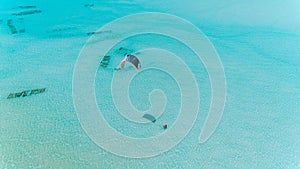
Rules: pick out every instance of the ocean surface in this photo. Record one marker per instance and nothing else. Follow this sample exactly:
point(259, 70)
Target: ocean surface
point(258, 46)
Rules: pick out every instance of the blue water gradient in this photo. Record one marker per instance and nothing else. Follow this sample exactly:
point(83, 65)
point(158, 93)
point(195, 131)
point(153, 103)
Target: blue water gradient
point(258, 44)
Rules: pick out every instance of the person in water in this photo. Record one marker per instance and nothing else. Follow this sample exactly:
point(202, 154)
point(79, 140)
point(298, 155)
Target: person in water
point(131, 59)
point(122, 64)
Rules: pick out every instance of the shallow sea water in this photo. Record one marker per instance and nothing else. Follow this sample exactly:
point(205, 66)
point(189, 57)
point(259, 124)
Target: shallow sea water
point(261, 58)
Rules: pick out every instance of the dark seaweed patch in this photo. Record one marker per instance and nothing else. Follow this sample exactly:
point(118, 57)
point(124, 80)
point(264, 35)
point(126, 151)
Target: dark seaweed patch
point(150, 118)
point(105, 61)
point(27, 7)
point(27, 12)
point(98, 32)
point(90, 33)
point(12, 28)
point(124, 51)
point(26, 93)
point(22, 31)
point(62, 29)
point(64, 32)
point(88, 5)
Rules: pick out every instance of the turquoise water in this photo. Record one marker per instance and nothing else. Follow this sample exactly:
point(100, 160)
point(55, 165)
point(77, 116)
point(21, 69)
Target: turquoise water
point(258, 44)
